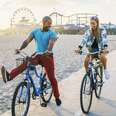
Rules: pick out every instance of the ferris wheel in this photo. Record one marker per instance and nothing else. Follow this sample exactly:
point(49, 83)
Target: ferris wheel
point(23, 16)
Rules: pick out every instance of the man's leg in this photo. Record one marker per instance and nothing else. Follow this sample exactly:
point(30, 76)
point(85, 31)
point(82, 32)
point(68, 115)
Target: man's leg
point(48, 63)
point(18, 70)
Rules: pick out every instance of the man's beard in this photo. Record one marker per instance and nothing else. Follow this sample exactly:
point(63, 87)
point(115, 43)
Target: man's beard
point(46, 29)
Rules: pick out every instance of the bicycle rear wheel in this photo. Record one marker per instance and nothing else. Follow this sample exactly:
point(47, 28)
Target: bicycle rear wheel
point(99, 81)
point(86, 94)
point(21, 100)
point(46, 89)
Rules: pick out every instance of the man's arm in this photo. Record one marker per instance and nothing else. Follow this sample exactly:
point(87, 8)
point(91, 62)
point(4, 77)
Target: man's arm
point(50, 47)
point(52, 39)
point(51, 44)
point(26, 42)
point(24, 45)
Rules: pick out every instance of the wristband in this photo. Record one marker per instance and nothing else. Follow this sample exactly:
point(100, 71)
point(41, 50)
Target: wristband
point(48, 51)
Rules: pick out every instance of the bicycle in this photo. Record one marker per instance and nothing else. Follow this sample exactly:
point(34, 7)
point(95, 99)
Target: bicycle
point(92, 80)
point(21, 97)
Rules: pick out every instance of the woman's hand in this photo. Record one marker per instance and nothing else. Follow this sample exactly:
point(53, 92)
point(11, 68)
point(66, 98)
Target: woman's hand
point(78, 51)
point(105, 51)
point(17, 51)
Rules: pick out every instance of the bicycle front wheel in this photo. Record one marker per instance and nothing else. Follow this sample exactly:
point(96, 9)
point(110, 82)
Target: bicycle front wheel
point(86, 94)
point(21, 100)
point(46, 89)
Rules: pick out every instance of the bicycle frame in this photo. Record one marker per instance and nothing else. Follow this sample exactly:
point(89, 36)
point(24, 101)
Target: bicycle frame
point(28, 78)
point(92, 70)
point(37, 82)
point(92, 73)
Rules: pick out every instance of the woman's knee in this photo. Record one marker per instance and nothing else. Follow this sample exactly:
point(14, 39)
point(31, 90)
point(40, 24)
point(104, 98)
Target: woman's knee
point(103, 57)
point(86, 62)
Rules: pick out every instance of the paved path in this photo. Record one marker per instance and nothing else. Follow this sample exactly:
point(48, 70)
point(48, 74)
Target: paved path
point(70, 93)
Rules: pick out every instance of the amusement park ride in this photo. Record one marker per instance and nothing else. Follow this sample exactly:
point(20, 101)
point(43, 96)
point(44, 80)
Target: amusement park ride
point(24, 17)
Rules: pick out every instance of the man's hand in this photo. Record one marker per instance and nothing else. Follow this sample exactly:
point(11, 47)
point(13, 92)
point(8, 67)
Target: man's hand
point(48, 53)
point(17, 51)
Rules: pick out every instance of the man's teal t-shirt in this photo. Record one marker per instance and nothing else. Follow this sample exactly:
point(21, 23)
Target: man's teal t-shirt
point(42, 39)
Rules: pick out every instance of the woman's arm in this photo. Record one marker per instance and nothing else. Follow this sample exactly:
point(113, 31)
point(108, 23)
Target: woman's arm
point(84, 39)
point(104, 38)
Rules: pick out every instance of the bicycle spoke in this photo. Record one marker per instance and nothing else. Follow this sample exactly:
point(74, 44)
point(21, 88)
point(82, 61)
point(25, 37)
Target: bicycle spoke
point(21, 100)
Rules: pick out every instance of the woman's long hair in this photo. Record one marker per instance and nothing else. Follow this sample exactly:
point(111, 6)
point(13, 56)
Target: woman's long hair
point(96, 33)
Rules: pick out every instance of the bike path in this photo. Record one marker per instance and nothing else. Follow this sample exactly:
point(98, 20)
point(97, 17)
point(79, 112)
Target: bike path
point(70, 95)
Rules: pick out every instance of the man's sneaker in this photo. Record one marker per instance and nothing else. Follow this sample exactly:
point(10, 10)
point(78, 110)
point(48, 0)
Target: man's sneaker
point(106, 73)
point(43, 104)
point(58, 102)
point(5, 74)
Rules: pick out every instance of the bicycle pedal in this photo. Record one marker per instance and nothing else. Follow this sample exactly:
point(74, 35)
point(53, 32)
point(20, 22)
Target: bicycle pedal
point(101, 84)
point(33, 96)
point(43, 104)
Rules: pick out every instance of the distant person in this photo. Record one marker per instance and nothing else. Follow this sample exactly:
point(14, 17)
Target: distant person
point(45, 39)
point(95, 39)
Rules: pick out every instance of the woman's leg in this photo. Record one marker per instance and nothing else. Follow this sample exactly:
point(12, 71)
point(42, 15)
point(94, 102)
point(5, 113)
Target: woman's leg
point(86, 62)
point(103, 59)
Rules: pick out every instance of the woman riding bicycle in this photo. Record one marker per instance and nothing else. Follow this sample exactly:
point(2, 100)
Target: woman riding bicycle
point(95, 39)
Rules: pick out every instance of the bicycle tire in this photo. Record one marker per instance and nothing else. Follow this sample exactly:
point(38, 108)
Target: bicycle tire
point(83, 85)
point(99, 83)
point(44, 89)
point(22, 84)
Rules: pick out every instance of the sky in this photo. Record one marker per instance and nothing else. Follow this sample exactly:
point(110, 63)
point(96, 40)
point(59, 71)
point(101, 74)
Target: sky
point(104, 8)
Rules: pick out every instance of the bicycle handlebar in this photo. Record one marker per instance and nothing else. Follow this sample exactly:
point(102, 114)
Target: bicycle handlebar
point(24, 56)
point(90, 53)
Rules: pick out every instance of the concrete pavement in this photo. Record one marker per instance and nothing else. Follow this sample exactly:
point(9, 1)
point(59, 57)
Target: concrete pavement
point(70, 95)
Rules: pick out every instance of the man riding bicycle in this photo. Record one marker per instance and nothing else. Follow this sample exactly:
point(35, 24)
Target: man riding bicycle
point(44, 39)
point(95, 40)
